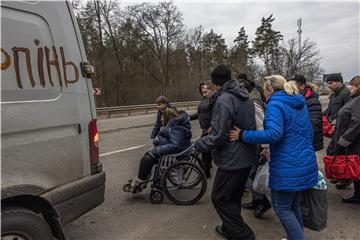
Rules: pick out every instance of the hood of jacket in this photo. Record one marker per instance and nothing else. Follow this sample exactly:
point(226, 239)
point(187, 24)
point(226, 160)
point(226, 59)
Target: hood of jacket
point(181, 122)
point(233, 87)
point(310, 93)
point(296, 102)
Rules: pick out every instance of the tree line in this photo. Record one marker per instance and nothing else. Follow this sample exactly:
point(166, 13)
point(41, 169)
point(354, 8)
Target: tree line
point(144, 50)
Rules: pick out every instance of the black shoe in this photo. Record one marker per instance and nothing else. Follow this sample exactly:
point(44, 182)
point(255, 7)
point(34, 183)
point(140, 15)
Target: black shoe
point(353, 199)
point(208, 174)
point(219, 231)
point(343, 184)
point(262, 207)
point(334, 181)
point(250, 205)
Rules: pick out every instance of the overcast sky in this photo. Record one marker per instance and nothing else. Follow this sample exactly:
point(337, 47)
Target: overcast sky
point(334, 26)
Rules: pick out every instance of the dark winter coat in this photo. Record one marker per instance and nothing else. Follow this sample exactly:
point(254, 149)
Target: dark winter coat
point(158, 123)
point(233, 107)
point(173, 138)
point(288, 130)
point(315, 113)
point(347, 129)
point(336, 100)
point(204, 112)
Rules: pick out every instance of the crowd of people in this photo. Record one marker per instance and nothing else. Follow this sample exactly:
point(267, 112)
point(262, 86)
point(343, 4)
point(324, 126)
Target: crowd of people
point(245, 126)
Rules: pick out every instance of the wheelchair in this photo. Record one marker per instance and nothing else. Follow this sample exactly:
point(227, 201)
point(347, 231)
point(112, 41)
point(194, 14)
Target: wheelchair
point(182, 181)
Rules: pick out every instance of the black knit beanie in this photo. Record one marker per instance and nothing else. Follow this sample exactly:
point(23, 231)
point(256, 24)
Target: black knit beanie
point(248, 84)
point(299, 79)
point(335, 77)
point(242, 76)
point(220, 75)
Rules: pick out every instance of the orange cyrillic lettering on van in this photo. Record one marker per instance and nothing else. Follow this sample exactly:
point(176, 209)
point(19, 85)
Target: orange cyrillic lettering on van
point(16, 51)
point(40, 59)
point(54, 62)
point(76, 71)
point(7, 62)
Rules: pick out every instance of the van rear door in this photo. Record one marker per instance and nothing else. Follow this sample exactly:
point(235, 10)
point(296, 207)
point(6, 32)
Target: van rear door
point(46, 103)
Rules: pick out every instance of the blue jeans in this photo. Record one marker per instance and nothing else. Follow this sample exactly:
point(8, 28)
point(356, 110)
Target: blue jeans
point(287, 207)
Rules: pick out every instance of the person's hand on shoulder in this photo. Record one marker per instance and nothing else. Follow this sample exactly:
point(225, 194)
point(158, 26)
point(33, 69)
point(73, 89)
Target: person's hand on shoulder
point(234, 135)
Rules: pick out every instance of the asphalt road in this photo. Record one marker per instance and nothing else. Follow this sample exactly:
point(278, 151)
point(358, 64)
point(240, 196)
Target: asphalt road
point(126, 216)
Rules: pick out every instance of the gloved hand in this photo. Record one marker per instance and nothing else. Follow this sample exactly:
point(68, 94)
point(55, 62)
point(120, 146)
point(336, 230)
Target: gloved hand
point(156, 141)
point(344, 143)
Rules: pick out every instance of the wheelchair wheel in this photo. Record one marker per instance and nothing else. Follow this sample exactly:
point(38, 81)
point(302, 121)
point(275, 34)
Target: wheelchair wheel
point(184, 183)
point(156, 196)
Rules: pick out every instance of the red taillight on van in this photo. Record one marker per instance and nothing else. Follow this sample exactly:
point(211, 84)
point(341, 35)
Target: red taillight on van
point(94, 147)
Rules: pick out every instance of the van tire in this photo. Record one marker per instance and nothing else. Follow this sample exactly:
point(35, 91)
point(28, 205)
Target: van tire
point(23, 224)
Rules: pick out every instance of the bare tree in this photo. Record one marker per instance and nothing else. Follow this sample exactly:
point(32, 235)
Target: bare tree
point(160, 27)
point(194, 50)
point(305, 61)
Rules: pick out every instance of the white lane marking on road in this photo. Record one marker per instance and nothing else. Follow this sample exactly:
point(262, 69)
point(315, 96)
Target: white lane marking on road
point(122, 150)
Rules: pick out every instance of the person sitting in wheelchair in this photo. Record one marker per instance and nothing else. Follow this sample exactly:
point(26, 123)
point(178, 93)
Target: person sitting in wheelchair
point(174, 137)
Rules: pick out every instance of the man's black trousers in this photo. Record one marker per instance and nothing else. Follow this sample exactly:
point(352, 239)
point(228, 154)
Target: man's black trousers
point(226, 196)
point(145, 167)
point(207, 161)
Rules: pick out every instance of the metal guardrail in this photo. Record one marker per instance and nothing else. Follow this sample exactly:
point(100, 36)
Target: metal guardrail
point(149, 107)
point(143, 107)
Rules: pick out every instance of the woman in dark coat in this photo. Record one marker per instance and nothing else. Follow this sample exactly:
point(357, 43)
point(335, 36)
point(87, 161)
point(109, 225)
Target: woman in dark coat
point(347, 132)
point(173, 138)
point(162, 103)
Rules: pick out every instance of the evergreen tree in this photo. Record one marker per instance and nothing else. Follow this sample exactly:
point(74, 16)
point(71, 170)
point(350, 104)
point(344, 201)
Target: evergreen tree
point(240, 53)
point(266, 45)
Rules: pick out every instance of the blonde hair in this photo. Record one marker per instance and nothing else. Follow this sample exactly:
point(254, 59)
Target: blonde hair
point(277, 82)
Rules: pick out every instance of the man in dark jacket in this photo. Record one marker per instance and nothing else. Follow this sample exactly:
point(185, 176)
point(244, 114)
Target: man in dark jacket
point(340, 96)
point(314, 108)
point(162, 103)
point(204, 113)
point(234, 160)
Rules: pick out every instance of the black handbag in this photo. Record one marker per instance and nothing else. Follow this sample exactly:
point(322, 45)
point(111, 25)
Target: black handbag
point(314, 208)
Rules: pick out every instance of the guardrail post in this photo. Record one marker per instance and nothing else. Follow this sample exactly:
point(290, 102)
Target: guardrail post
point(129, 111)
point(147, 110)
point(109, 112)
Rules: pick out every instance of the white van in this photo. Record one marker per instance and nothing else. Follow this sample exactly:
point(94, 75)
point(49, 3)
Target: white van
point(50, 169)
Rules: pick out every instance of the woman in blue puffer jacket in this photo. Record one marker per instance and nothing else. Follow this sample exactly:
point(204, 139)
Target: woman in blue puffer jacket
point(293, 166)
point(174, 137)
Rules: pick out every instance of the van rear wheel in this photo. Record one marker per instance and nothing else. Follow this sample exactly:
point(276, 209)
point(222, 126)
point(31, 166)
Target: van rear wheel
point(23, 224)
